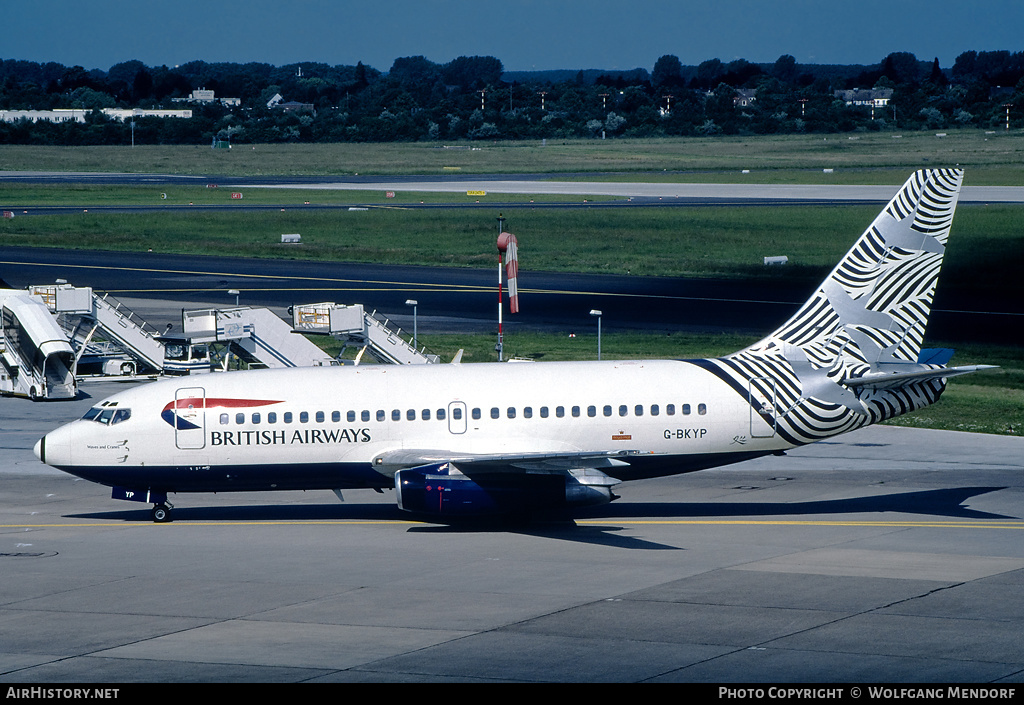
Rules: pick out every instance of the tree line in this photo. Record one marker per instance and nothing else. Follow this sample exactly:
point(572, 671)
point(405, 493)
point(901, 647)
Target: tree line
point(474, 98)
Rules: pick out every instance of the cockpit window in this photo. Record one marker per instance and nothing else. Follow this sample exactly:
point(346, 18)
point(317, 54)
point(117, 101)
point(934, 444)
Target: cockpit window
point(107, 416)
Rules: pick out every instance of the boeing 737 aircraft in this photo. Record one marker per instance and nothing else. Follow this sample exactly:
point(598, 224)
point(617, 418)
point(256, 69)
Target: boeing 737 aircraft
point(478, 439)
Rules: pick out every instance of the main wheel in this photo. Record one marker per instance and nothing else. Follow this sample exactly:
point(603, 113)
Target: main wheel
point(161, 513)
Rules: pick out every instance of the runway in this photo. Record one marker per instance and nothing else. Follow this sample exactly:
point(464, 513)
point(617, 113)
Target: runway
point(455, 299)
point(685, 192)
point(886, 556)
point(577, 184)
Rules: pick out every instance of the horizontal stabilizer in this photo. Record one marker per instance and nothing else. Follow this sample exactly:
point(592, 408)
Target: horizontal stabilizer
point(883, 380)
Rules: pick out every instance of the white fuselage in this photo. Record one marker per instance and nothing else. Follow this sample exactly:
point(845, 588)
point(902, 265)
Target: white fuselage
point(322, 427)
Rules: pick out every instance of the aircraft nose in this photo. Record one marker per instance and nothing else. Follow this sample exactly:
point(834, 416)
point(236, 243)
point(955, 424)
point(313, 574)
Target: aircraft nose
point(54, 448)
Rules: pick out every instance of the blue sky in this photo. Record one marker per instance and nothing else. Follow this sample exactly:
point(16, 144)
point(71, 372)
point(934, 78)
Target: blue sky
point(524, 34)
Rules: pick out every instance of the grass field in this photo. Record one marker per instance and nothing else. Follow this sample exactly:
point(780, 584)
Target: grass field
point(984, 259)
point(695, 242)
point(991, 157)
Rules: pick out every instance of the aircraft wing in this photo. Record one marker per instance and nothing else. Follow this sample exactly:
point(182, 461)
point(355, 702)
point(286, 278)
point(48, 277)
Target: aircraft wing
point(560, 462)
point(884, 380)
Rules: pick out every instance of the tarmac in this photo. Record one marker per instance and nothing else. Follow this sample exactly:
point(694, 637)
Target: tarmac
point(889, 555)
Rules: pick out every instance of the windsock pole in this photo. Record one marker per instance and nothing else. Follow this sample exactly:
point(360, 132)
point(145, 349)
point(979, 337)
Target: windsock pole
point(507, 244)
point(499, 346)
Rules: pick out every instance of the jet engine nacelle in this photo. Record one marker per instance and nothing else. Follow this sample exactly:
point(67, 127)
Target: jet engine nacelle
point(441, 490)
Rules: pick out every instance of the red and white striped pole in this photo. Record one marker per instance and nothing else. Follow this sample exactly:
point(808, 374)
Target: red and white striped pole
point(507, 244)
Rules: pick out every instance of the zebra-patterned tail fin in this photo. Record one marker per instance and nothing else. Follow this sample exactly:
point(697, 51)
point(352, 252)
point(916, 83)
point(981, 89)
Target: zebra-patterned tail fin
point(874, 306)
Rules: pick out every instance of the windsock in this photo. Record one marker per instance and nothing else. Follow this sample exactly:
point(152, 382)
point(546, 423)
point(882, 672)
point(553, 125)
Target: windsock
point(507, 244)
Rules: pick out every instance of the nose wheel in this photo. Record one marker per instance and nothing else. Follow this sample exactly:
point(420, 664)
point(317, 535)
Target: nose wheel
point(162, 512)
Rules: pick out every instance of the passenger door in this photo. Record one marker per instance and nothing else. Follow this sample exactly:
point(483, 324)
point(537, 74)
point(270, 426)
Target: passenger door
point(190, 418)
point(762, 407)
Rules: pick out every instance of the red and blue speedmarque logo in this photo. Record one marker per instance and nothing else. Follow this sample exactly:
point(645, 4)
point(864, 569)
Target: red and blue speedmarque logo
point(180, 412)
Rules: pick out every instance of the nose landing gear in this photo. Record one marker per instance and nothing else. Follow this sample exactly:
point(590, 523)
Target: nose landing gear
point(162, 512)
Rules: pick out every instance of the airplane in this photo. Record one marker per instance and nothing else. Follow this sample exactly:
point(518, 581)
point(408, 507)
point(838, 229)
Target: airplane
point(456, 440)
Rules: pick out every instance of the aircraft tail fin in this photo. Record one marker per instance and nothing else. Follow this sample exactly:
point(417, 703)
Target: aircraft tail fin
point(876, 302)
point(851, 355)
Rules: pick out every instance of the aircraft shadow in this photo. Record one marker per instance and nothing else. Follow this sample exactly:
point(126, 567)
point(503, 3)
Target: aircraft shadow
point(945, 503)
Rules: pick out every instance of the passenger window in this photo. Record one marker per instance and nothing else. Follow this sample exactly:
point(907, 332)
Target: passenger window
point(494, 412)
point(559, 411)
point(476, 413)
point(528, 412)
point(381, 415)
point(303, 417)
point(335, 416)
point(543, 412)
point(410, 414)
point(224, 418)
point(607, 409)
point(255, 418)
point(686, 409)
point(591, 411)
point(576, 412)
point(365, 415)
point(287, 417)
point(396, 415)
point(425, 414)
point(702, 409)
point(654, 410)
point(271, 417)
point(670, 409)
point(457, 413)
point(623, 410)
point(239, 419)
point(440, 415)
point(351, 416)
point(511, 413)
point(319, 417)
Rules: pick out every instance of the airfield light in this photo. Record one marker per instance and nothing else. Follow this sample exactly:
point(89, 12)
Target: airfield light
point(415, 337)
point(598, 314)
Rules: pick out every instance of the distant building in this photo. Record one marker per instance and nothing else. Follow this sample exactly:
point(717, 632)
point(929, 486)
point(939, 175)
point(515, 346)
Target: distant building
point(744, 97)
point(79, 114)
point(123, 114)
point(58, 115)
point(278, 103)
point(869, 97)
point(204, 96)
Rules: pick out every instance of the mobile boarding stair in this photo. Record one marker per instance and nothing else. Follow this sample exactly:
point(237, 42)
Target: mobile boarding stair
point(365, 330)
point(259, 334)
point(87, 314)
point(36, 358)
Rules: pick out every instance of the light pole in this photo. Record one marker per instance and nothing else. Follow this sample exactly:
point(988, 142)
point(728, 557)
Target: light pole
point(595, 312)
point(415, 337)
point(234, 292)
